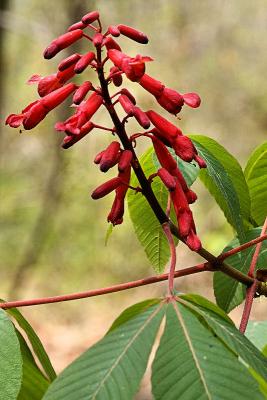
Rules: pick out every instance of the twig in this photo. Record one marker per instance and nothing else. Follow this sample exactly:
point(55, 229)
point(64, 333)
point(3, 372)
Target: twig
point(244, 246)
point(111, 289)
point(257, 252)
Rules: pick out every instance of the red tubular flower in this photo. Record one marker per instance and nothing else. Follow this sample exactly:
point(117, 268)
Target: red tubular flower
point(134, 68)
point(171, 100)
point(84, 61)
point(114, 30)
point(125, 160)
point(90, 17)
point(184, 148)
point(106, 188)
point(72, 139)
point(81, 92)
point(110, 157)
point(169, 130)
point(168, 180)
point(192, 99)
point(77, 25)
point(83, 113)
point(115, 76)
point(201, 163)
point(52, 100)
point(161, 137)
point(164, 156)
point(110, 43)
point(182, 211)
point(133, 34)
point(141, 117)
point(67, 62)
point(152, 85)
point(126, 104)
point(116, 57)
point(62, 42)
point(29, 117)
point(191, 196)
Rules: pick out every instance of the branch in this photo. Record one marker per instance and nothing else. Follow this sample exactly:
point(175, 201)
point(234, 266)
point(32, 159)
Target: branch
point(111, 289)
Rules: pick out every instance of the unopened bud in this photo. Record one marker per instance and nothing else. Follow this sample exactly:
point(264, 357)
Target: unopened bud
point(98, 157)
point(67, 62)
point(126, 104)
point(110, 156)
point(125, 160)
point(201, 163)
point(129, 95)
point(81, 92)
point(193, 241)
point(151, 85)
point(141, 117)
point(167, 128)
point(98, 39)
point(133, 34)
point(77, 25)
point(62, 42)
point(106, 188)
point(84, 61)
point(184, 148)
point(164, 156)
point(90, 17)
point(114, 30)
point(110, 43)
point(168, 180)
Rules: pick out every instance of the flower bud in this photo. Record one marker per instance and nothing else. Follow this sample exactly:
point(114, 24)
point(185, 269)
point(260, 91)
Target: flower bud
point(67, 62)
point(81, 92)
point(151, 85)
point(133, 34)
point(164, 156)
point(169, 130)
point(168, 180)
point(126, 104)
point(184, 148)
point(106, 188)
point(116, 214)
point(98, 39)
point(115, 76)
point(72, 139)
point(141, 117)
point(90, 17)
point(98, 157)
point(129, 95)
point(192, 99)
point(84, 61)
point(191, 196)
point(77, 25)
point(125, 160)
point(110, 43)
point(201, 163)
point(62, 42)
point(110, 156)
point(92, 104)
point(193, 241)
point(114, 30)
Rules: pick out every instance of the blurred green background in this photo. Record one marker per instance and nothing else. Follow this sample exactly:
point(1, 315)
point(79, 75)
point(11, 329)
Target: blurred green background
point(52, 234)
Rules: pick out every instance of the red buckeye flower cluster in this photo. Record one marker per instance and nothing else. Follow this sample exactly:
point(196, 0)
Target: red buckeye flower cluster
point(87, 99)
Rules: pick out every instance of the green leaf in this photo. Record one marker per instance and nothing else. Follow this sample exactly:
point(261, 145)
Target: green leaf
point(225, 180)
point(37, 346)
point(34, 384)
point(146, 225)
point(225, 329)
point(192, 363)
point(256, 176)
point(230, 293)
point(10, 360)
point(256, 332)
point(112, 368)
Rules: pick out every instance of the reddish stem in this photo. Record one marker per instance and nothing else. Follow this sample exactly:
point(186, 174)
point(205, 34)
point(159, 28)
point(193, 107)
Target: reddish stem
point(257, 251)
point(248, 305)
point(167, 231)
point(244, 246)
point(111, 289)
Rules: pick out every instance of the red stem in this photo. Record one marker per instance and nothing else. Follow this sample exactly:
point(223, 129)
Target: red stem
point(244, 246)
point(167, 231)
point(111, 289)
point(248, 305)
point(257, 252)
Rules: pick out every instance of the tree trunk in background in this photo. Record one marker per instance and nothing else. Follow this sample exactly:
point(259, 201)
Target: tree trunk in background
point(51, 200)
point(4, 4)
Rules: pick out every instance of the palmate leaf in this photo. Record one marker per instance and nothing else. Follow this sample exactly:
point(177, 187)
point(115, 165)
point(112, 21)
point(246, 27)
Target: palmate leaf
point(35, 342)
point(193, 363)
point(225, 329)
point(113, 368)
point(230, 293)
point(225, 180)
point(10, 360)
point(34, 384)
point(146, 225)
point(256, 177)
